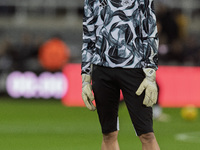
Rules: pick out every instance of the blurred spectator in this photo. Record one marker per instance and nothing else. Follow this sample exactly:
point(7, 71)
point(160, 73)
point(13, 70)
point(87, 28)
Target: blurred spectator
point(22, 52)
point(168, 25)
point(182, 22)
point(191, 48)
point(170, 46)
point(176, 45)
point(5, 59)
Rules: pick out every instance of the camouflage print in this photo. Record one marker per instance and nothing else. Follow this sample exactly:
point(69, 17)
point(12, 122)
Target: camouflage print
point(119, 33)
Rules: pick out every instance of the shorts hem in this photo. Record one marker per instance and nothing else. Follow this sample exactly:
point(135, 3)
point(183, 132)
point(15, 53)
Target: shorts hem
point(106, 132)
point(139, 134)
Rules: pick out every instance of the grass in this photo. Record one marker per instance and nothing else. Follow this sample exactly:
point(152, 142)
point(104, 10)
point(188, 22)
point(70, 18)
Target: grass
point(48, 125)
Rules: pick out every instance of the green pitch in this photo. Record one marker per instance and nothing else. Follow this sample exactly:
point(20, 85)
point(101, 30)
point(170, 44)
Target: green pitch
point(48, 125)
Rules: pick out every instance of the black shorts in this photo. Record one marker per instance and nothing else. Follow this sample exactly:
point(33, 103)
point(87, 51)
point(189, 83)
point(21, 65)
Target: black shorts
point(106, 84)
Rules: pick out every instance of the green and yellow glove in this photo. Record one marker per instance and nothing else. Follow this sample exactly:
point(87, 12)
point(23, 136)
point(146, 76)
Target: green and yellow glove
point(87, 94)
point(150, 87)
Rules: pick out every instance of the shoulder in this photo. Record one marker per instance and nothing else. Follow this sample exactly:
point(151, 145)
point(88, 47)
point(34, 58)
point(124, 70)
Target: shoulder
point(90, 3)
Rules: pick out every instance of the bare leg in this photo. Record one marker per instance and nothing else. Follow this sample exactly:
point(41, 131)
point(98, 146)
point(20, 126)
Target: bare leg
point(149, 141)
point(110, 141)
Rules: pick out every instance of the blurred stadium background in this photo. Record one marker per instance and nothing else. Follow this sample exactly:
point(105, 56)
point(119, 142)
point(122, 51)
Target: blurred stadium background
point(40, 82)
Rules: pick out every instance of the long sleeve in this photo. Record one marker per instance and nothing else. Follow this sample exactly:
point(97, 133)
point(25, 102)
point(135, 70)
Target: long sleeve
point(149, 33)
point(120, 33)
point(89, 38)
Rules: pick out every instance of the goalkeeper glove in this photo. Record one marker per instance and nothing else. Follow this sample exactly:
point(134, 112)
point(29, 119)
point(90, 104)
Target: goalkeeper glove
point(87, 95)
point(150, 87)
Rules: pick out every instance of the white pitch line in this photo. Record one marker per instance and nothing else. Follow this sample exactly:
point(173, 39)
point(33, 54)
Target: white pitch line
point(192, 137)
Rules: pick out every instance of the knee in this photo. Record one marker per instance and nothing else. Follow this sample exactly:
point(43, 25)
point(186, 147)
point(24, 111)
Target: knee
point(147, 138)
point(110, 137)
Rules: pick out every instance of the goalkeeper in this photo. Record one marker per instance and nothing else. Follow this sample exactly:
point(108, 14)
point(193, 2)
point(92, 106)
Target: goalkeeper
point(119, 52)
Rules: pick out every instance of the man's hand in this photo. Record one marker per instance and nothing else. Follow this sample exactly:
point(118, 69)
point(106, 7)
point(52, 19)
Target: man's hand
point(150, 87)
point(87, 95)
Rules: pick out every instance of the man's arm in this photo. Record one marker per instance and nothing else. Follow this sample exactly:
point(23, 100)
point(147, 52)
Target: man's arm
point(150, 45)
point(87, 54)
point(88, 38)
point(149, 33)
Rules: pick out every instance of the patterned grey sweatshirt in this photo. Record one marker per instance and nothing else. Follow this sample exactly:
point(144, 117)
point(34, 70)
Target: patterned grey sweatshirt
point(119, 33)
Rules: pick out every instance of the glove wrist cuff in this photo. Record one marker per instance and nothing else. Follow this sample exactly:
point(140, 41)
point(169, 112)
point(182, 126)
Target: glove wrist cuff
point(86, 78)
point(150, 73)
